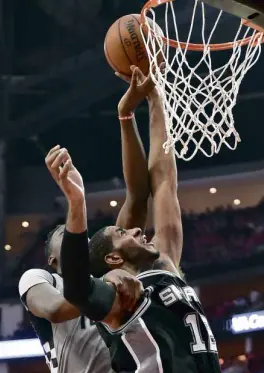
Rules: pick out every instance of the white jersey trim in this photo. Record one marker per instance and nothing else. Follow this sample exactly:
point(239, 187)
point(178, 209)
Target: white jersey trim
point(154, 272)
point(143, 366)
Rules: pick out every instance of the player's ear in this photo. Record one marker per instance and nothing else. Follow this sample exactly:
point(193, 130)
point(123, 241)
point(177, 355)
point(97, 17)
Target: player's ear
point(114, 259)
point(52, 262)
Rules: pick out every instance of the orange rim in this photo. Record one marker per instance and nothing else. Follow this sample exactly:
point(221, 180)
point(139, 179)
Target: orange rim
point(200, 47)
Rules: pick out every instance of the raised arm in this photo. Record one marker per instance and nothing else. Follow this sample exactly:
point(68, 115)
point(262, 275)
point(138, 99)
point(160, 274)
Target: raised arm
point(93, 297)
point(164, 182)
point(135, 166)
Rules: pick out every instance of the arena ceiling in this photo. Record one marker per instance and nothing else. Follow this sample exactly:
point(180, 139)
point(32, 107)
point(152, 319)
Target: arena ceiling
point(56, 86)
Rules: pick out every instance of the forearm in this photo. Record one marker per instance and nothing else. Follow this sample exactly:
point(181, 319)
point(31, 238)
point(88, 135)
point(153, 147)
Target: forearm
point(75, 265)
point(91, 296)
point(63, 312)
point(135, 169)
point(75, 261)
point(163, 181)
point(135, 166)
point(162, 167)
point(77, 217)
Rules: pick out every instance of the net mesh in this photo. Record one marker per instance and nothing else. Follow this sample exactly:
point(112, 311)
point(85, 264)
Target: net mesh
point(198, 106)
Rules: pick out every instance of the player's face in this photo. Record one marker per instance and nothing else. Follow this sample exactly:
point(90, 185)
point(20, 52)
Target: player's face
point(54, 259)
point(56, 241)
point(132, 246)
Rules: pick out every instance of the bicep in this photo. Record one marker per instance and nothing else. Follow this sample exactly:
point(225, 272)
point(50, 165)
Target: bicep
point(165, 263)
point(45, 301)
point(168, 224)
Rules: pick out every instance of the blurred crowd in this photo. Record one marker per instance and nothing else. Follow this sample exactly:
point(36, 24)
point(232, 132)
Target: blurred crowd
point(217, 236)
point(220, 235)
point(223, 234)
point(253, 302)
point(243, 364)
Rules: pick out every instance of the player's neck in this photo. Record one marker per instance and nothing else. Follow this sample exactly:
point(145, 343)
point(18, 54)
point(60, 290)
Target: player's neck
point(138, 269)
point(130, 269)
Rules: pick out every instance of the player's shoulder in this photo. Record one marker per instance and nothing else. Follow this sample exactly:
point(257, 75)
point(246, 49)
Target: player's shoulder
point(33, 277)
point(158, 273)
point(157, 277)
point(36, 273)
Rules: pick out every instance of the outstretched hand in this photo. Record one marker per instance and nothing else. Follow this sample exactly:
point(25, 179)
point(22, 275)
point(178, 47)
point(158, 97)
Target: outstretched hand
point(140, 87)
point(68, 178)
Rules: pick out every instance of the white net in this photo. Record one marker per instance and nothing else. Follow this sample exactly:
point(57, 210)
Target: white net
point(198, 106)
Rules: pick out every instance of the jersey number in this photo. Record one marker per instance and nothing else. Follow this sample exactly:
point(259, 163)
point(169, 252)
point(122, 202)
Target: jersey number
point(198, 345)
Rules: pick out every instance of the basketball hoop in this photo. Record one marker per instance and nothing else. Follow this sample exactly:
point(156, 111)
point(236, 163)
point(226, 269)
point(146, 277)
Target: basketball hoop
point(198, 100)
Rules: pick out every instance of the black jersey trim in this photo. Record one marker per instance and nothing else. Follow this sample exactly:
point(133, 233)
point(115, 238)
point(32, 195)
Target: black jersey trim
point(141, 309)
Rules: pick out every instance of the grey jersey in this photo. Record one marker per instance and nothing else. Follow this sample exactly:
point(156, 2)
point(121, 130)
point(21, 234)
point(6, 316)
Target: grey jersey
point(73, 346)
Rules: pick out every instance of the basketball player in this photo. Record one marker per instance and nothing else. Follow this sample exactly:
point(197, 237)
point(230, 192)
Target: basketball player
point(167, 331)
point(71, 342)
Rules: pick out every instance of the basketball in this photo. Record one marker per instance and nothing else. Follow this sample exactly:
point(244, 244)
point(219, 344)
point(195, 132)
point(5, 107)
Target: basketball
point(124, 45)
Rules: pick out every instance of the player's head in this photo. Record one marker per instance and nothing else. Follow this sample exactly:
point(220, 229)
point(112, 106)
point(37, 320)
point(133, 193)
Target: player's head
point(113, 247)
point(53, 247)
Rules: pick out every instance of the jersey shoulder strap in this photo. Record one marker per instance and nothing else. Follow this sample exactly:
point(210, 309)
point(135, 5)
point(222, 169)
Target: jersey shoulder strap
point(54, 281)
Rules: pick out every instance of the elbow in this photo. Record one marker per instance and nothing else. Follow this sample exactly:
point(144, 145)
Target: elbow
point(54, 313)
point(58, 316)
point(70, 296)
point(55, 317)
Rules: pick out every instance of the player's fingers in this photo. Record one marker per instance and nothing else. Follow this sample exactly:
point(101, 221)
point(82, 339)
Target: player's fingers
point(133, 289)
point(124, 291)
point(52, 150)
point(51, 157)
point(127, 293)
point(63, 173)
point(137, 291)
point(126, 78)
point(148, 85)
point(119, 286)
point(134, 78)
point(61, 158)
point(133, 67)
point(162, 67)
point(141, 76)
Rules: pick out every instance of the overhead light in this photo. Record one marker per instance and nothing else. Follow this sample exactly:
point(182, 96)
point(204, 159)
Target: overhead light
point(25, 224)
point(8, 247)
point(236, 202)
point(212, 190)
point(242, 358)
point(113, 203)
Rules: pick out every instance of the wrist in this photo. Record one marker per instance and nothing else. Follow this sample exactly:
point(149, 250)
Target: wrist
point(124, 112)
point(126, 117)
point(154, 95)
point(76, 202)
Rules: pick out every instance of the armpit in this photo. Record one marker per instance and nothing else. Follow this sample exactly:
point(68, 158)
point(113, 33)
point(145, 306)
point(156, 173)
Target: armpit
point(166, 264)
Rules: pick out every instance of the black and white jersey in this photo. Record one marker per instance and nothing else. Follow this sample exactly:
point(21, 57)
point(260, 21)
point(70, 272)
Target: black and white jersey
point(74, 346)
point(168, 333)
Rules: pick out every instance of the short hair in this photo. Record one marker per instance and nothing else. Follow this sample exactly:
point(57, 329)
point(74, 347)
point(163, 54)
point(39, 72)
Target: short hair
point(47, 244)
point(99, 246)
